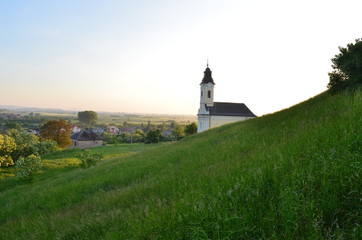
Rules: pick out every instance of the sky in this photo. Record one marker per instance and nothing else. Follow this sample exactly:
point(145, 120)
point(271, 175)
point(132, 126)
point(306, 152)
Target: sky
point(148, 56)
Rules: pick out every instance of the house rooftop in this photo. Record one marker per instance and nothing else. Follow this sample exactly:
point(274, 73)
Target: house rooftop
point(86, 135)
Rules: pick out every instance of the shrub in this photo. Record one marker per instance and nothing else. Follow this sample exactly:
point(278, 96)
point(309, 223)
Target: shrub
point(7, 146)
point(88, 158)
point(25, 144)
point(27, 166)
point(46, 147)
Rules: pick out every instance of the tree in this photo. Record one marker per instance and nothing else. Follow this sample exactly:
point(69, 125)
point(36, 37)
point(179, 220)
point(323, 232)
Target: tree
point(88, 117)
point(26, 144)
point(191, 129)
point(347, 68)
point(178, 132)
point(138, 136)
point(109, 137)
point(13, 125)
point(153, 136)
point(7, 146)
point(59, 131)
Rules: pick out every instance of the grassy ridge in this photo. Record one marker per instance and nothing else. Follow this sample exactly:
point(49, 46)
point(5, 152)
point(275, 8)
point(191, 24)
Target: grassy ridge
point(290, 175)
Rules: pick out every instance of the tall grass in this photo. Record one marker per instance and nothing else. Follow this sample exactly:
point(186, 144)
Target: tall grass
point(294, 174)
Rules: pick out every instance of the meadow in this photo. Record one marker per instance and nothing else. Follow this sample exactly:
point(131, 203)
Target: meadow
point(294, 174)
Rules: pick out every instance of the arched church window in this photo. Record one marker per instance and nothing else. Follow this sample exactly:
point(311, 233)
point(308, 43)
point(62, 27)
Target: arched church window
point(209, 94)
point(202, 93)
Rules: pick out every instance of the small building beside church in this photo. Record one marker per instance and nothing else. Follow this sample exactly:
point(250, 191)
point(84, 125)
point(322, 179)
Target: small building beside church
point(213, 114)
point(86, 139)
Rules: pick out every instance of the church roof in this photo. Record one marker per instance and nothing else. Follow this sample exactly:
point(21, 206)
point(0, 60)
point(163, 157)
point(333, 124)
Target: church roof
point(86, 135)
point(207, 76)
point(230, 109)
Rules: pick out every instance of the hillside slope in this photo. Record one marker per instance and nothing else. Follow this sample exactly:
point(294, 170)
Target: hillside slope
point(294, 174)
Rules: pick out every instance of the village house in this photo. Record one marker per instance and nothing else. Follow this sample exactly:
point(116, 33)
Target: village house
point(213, 114)
point(113, 129)
point(74, 128)
point(86, 139)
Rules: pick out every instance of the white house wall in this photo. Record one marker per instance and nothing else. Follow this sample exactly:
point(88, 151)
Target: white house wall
point(203, 123)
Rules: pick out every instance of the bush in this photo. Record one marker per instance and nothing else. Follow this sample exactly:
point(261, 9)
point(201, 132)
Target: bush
point(27, 166)
point(25, 144)
point(88, 158)
point(46, 147)
point(7, 146)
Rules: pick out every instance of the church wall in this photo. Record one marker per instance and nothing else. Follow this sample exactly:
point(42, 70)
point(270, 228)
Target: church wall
point(217, 121)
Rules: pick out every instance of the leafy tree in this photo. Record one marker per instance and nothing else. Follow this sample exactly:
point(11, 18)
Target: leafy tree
point(25, 144)
point(347, 68)
point(178, 132)
point(153, 136)
point(191, 129)
point(124, 137)
point(59, 131)
point(88, 117)
point(27, 166)
point(108, 137)
point(7, 146)
point(47, 146)
point(13, 125)
point(138, 136)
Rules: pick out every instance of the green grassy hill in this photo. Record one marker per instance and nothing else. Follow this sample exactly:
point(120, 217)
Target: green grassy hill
point(295, 174)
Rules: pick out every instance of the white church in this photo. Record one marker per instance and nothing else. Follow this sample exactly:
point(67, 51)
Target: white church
point(213, 114)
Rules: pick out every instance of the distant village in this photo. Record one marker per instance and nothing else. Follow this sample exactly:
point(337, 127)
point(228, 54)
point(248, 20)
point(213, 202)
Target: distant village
point(129, 129)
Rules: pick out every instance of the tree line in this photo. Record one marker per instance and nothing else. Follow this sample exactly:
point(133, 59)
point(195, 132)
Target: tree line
point(347, 68)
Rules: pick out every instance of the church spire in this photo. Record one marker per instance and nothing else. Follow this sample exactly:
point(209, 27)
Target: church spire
point(207, 75)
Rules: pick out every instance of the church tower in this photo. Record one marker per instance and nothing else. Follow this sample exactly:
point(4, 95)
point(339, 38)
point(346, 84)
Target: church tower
point(207, 88)
point(206, 100)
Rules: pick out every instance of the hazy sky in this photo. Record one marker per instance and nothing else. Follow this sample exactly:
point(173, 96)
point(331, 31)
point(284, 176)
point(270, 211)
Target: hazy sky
point(148, 56)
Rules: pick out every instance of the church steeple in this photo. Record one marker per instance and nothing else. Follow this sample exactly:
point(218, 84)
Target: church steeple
point(207, 75)
point(207, 90)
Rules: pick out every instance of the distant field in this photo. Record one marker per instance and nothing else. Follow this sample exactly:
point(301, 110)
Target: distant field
point(116, 118)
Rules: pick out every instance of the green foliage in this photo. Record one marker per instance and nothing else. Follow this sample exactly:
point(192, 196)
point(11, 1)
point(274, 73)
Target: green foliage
point(109, 138)
point(88, 158)
point(138, 136)
point(27, 166)
point(46, 147)
point(25, 144)
point(88, 117)
point(16, 145)
point(123, 137)
point(7, 146)
point(58, 131)
point(347, 68)
point(178, 132)
point(191, 129)
point(13, 125)
point(153, 136)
